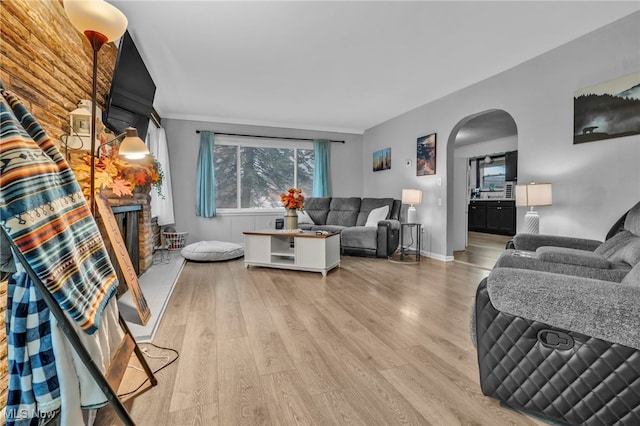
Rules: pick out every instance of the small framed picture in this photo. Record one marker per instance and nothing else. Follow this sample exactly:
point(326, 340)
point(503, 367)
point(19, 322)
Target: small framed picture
point(426, 155)
point(382, 159)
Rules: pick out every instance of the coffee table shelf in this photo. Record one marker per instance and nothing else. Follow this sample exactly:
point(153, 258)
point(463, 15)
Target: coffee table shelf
point(303, 251)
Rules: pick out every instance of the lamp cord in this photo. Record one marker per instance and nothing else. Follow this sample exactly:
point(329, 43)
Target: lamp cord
point(177, 355)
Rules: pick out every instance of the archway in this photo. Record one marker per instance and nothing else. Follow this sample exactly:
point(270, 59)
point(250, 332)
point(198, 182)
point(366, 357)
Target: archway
point(493, 131)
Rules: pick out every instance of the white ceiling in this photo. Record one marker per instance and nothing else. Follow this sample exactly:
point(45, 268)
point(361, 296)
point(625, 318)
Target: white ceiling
point(340, 65)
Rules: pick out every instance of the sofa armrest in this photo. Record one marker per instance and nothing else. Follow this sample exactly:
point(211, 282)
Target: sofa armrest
point(388, 237)
point(572, 256)
point(531, 242)
point(601, 309)
point(529, 260)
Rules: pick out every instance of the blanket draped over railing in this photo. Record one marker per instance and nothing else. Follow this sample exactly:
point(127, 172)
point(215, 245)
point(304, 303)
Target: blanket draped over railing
point(43, 212)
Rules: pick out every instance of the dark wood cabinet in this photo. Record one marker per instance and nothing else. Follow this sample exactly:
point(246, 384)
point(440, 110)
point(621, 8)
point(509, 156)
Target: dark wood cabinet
point(477, 216)
point(511, 166)
point(493, 217)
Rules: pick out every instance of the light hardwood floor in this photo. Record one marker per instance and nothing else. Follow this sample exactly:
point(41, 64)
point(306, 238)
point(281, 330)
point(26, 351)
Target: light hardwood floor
point(373, 343)
point(482, 249)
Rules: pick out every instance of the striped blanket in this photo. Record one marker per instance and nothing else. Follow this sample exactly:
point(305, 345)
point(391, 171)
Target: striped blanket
point(43, 211)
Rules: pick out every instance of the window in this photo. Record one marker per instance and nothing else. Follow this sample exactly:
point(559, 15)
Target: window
point(492, 174)
point(253, 173)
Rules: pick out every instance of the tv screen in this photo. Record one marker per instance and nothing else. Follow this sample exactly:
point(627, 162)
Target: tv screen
point(132, 91)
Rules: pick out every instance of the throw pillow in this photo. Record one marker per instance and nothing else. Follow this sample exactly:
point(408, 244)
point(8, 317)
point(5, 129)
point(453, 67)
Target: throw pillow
point(376, 215)
point(304, 218)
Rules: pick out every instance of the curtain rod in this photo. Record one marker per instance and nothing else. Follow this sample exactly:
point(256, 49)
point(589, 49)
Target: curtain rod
point(264, 137)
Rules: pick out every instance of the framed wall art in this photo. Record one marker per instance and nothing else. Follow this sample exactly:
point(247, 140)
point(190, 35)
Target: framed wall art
point(382, 159)
point(426, 155)
point(607, 110)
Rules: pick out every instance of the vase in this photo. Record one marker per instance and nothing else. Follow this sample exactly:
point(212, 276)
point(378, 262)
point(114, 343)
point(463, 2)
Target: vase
point(291, 219)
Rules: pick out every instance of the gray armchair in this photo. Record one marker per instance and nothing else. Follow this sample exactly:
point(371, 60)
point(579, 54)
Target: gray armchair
point(559, 346)
point(610, 260)
point(557, 327)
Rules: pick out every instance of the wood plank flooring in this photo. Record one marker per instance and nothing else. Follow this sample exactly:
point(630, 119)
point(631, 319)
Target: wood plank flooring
point(373, 343)
point(482, 249)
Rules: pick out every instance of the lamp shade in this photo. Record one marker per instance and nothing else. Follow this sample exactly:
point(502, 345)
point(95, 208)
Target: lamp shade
point(96, 16)
point(132, 146)
point(412, 196)
point(533, 194)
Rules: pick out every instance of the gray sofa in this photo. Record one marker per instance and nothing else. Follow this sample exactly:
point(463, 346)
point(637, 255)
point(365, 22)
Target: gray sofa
point(558, 327)
point(348, 216)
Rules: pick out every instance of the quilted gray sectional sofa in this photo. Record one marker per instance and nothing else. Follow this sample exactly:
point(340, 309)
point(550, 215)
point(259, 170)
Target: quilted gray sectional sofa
point(348, 216)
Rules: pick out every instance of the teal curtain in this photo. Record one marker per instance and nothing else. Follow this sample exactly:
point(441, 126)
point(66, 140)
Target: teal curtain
point(321, 171)
point(205, 177)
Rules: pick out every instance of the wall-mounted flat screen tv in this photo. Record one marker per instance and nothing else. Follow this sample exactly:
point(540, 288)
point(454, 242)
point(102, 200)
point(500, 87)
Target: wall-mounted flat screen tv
point(132, 91)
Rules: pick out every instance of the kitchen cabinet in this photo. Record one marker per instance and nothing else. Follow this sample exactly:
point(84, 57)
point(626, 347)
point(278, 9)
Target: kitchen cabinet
point(477, 216)
point(493, 216)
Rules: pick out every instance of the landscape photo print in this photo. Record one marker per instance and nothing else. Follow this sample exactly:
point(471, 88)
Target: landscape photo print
point(607, 110)
point(382, 159)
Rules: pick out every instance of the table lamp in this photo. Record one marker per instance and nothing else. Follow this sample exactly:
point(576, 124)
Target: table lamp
point(413, 197)
point(531, 195)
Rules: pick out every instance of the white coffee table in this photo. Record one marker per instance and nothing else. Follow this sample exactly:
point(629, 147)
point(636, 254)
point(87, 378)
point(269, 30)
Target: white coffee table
point(302, 251)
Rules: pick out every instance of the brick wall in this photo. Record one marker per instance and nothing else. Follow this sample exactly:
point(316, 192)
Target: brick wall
point(48, 63)
point(45, 61)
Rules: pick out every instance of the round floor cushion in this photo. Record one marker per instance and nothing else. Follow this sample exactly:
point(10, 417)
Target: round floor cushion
point(212, 251)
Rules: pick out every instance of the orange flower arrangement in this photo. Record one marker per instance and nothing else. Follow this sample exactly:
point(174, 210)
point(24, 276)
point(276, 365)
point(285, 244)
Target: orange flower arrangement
point(120, 175)
point(293, 199)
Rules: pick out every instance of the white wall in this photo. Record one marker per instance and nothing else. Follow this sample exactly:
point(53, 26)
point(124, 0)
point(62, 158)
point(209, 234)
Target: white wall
point(593, 183)
point(184, 143)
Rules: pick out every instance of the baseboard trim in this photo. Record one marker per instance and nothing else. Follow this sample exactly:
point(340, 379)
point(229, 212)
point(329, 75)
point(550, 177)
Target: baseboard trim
point(437, 256)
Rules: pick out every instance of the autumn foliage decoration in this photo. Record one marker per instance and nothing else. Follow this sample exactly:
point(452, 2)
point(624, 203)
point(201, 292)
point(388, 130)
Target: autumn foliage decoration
point(120, 175)
point(293, 199)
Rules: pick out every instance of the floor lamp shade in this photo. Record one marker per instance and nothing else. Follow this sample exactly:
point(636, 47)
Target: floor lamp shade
point(412, 197)
point(531, 195)
point(96, 16)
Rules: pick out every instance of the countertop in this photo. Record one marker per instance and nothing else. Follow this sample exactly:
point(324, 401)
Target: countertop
point(491, 199)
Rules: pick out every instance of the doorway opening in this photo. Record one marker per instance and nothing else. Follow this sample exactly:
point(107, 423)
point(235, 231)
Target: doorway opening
point(482, 172)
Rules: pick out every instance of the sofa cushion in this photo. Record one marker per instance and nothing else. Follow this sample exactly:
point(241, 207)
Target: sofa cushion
point(360, 236)
point(572, 257)
point(632, 221)
point(318, 208)
point(369, 204)
point(329, 228)
point(343, 211)
point(628, 253)
point(633, 277)
point(304, 218)
point(376, 215)
point(614, 244)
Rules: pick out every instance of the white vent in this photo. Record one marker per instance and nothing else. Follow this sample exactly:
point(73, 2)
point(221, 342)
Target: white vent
point(508, 190)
